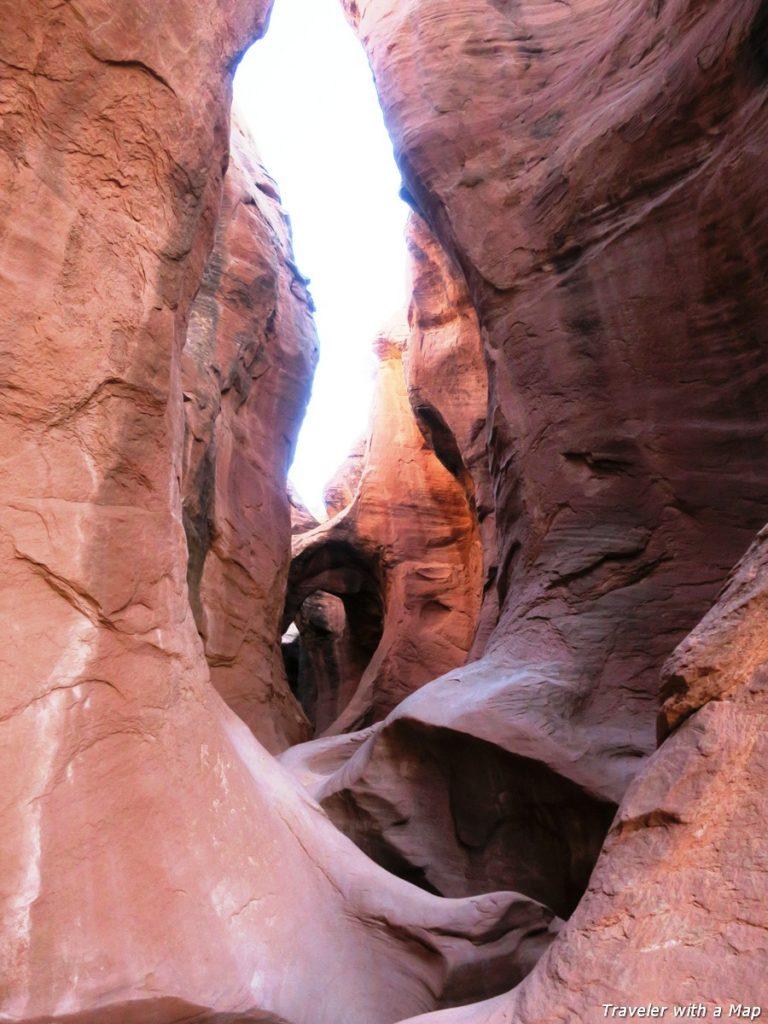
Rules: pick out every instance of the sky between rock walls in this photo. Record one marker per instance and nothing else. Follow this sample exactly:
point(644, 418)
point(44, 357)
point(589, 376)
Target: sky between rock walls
point(307, 94)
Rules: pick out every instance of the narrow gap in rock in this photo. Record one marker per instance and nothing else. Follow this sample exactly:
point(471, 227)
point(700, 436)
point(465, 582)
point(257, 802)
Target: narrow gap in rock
point(337, 177)
point(338, 180)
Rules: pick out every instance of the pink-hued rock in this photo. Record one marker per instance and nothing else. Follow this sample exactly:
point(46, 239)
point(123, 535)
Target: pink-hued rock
point(596, 169)
point(722, 658)
point(156, 864)
point(405, 556)
point(331, 659)
point(462, 791)
point(247, 367)
point(222, 901)
point(675, 913)
point(301, 518)
point(448, 390)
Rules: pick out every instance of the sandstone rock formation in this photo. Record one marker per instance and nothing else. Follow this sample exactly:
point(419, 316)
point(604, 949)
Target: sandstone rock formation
point(330, 657)
point(451, 793)
point(447, 394)
point(404, 556)
point(593, 173)
point(247, 366)
point(626, 482)
point(301, 518)
point(722, 658)
point(595, 169)
point(448, 390)
point(153, 851)
point(340, 490)
point(579, 161)
point(675, 913)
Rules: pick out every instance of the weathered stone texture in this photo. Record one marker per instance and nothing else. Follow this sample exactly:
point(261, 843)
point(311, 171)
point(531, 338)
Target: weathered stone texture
point(594, 173)
point(596, 170)
point(247, 367)
point(405, 556)
point(448, 390)
point(156, 864)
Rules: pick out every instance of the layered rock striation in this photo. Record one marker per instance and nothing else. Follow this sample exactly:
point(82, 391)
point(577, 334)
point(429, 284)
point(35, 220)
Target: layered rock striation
point(448, 391)
point(595, 170)
point(157, 863)
point(675, 910)
point(404, 556)
point(567, 457)
point(247, 366)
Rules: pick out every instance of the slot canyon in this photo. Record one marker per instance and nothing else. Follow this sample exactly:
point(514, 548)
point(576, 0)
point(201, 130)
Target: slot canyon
point(487, 741)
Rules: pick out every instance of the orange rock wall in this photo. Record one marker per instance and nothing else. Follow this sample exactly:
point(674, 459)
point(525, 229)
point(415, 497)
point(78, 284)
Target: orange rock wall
point(593, 171)
point(408, 546)
point(594, 167)
point(448, 390)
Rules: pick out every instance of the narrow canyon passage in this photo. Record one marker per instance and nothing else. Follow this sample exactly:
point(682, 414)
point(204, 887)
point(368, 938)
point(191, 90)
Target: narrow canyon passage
point(465, 722)
point(306, 93)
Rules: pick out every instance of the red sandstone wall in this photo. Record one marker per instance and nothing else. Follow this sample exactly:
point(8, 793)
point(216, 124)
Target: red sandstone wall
point(156, 862)
point(596, 169)
point(247, 367)
point(407, 549)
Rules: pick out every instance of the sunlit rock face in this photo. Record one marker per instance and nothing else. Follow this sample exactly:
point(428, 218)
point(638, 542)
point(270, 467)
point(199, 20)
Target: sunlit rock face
point(596, 169)
point(342, 487)
point(247, 366)
point(404, 556)
point(448, 390)
point(452, 793)
point(301, 518)
point(157, 863)
point(331, 657)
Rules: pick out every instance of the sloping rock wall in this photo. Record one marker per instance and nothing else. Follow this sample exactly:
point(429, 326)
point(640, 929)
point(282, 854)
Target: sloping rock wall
point(595, 168)
point(675, 912)
point(448, 390)
point(247, 367)
point(157, 864)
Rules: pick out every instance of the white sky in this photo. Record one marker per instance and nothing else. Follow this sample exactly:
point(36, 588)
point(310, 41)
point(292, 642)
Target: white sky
point(307, 93)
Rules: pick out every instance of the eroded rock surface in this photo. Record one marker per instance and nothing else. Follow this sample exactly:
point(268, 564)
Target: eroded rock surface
point(247, 366)
point(461, 816)
point(722, 657)
point(340, 490)
point(675, 912)
point(595, 169)
point(156, 862)
point(301, 518)
point(331, 658)
point(628, 386)
point(448, 390)
point(404, 556)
